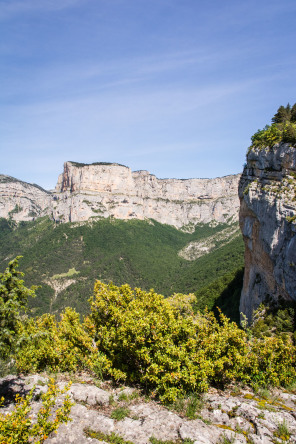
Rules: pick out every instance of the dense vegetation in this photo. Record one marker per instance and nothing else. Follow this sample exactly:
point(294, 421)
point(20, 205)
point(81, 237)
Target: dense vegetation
point(141, 253)
point(160, 343)
point(17, 426)
point(224, 293)
point(282, 129)
point(13, 301)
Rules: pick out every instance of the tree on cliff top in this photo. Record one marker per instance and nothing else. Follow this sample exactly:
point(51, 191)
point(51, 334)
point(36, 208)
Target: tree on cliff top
point(282, 129)
point(283, 114)
point(293, 113)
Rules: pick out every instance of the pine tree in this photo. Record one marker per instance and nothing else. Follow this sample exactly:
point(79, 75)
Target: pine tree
point(288, 110)
point(282, 114)
point(293, 113)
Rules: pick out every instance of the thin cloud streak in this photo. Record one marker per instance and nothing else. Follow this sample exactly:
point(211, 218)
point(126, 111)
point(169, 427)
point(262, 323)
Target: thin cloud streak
point(94, 78)
point(137, 105)
point(11, 8)
point(140, 82)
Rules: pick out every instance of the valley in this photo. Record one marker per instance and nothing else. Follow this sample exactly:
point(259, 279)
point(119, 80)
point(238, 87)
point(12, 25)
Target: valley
point(104, 221)
point(67, 258)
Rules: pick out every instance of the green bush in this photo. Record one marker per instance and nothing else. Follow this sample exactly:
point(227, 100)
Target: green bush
point(267, 137)
point(55, 346)
point(13, 303)
point(148, 339)
point(271, 361)
point(143, 338)
point(289, 133)
point(283, 129)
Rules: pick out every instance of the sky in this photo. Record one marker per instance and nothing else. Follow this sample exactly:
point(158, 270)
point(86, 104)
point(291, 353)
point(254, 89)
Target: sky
point(175, 87)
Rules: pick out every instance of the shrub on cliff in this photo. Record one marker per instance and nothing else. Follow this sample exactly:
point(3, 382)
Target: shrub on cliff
point(55, 346)
point(289, 133)
point(141, 337)
point(283, 129)
point(160, 344)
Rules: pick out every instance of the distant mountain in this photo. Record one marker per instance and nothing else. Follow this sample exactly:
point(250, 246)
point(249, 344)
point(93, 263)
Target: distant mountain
point(105, 222)
point(103, 190)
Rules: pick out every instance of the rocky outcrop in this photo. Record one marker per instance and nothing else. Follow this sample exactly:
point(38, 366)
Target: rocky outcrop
point(267, 192)
point(236, 416)
point(103, 190)
point(21, 201)
point(196, 249)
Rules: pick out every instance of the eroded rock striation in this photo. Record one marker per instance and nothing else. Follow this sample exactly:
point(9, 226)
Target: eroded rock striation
point(267, 192)
point(102, 190)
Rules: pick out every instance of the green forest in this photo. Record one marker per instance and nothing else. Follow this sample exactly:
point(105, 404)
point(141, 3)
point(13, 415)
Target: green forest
point(140, 253)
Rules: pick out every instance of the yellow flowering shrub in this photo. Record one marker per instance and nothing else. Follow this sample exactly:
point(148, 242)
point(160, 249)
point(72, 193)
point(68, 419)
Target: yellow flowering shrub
point(17, 427)
point(45, 343)
point(141, 337)
point(161, 344)
point(271, 361)
point(147, 340)
point(225, 345)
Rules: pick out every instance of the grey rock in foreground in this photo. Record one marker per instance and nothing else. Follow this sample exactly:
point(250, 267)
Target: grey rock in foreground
point(238, 417)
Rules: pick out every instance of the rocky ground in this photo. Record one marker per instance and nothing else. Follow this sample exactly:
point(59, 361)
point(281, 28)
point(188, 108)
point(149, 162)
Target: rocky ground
point(121, 415)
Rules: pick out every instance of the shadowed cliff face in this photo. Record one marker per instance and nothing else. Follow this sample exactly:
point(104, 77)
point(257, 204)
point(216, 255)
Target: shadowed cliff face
point(267, 192)
point(112, 190)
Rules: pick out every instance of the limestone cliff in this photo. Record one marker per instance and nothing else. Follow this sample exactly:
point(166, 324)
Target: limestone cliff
point(111, 190)
point(85, 191)
point(22, 201)
point(267, 192)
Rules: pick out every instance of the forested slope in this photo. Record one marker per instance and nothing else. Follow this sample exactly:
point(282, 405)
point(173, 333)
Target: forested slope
point(66, 259)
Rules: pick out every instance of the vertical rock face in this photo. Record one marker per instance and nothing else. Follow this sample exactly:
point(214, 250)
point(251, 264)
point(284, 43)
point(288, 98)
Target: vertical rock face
point(104, 190)
point(267, 192)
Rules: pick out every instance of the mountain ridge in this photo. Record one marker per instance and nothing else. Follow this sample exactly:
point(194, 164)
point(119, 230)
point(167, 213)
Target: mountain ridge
point(102, 190)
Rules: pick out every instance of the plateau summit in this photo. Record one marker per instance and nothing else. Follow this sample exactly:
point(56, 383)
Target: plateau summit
point(102, 190)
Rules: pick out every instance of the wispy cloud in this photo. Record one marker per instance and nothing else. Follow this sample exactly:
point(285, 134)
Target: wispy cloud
point(126, 74)
point(112, 111)
point(164, 82)
point(10, 8)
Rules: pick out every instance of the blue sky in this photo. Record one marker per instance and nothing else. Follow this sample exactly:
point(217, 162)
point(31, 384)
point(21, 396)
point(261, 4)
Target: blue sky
point(176, 87)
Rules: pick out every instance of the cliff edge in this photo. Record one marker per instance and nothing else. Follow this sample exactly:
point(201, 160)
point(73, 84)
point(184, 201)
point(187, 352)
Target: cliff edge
point(112, 190)
point(102, 190)
point(267, 192)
